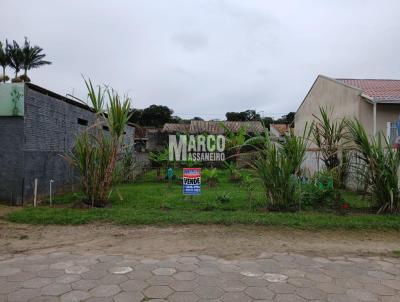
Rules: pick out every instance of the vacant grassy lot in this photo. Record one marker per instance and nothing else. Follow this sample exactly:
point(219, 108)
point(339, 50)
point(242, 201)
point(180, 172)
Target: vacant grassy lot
point(150, 202)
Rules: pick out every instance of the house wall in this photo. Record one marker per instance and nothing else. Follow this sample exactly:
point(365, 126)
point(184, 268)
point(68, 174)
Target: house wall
point(386, 113)
point(11, 159)
point(327, 93)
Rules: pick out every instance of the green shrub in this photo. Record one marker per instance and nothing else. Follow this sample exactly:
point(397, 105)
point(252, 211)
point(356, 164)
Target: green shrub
point(211, 177)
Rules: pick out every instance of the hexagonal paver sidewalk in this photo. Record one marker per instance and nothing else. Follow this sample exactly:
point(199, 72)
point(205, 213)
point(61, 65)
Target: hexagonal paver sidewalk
point(279, 277)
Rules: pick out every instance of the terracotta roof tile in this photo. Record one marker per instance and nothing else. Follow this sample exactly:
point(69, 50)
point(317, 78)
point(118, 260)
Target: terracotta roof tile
point(380, 90)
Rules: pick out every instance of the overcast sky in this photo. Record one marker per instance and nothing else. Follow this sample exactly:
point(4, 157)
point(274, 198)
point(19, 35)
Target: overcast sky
point(204, 58)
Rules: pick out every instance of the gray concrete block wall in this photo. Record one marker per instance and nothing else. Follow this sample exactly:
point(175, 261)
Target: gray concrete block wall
point(50, 127)
point(11, 159)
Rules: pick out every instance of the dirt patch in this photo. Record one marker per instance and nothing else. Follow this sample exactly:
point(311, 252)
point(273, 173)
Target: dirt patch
point(223, 241)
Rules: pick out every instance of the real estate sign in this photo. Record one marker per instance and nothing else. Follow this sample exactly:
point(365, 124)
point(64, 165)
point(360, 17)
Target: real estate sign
point(191, 181)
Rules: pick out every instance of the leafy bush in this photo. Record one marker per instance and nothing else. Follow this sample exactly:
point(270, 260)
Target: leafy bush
point(95, 153)
point(277, 166)
point(211, 177)
point(378, 163)
point(234, 171)
point(224, 197)
point(330, 137)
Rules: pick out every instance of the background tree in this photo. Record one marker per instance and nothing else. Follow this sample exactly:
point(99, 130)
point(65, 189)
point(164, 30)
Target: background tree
point(154, 115)
point(16, 57)
point(4, 60)
point(32, 57)
point(244, 116)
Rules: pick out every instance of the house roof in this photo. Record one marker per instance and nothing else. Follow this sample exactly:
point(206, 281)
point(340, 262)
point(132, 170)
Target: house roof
point(378, 90)
point(281, 128)
point(213, 127)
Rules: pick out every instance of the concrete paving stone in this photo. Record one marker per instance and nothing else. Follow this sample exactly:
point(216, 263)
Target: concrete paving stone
point(140, 275)
point(94, 274)
point(310, 293)
point(184, 276)
point(339, 298)
point(290, 298)
point(361, 295)
point(183, 286)
point(105, 290)
point(259, 293)
point(8, 271)
point(395, 284)
point(101, 266)
point(7, 287)
point(183, 297)
point(100, 299)
point(380, 289)
point(282, 288)
point(207, 271)
point(37, 282)
point(164, 271)
point(318, 277)
point(129, 297)
point(186, 267)
point(75, 296)
point(294, 273)
point(252, 273)
point(145, 267)
point(55, 289)
point(381, 275)
point(76, 269)
point(22, 276)
point(348, 283)
point(120, 270)
point(160, 280)
point(58, 254)
point(207, 281)
point(188, 260)
point(134, 285)
point(23, 295)
point(84, 284)
point(208, 292)
point(50, 273)
point(33, 268)
point(331, 288)
point(228, 268)
point(157, 292)
point(167, 264)
point(275, 277)
point(110, 258)
point(236, 297)
point(67, 278)
point(62, 265)
point(391, 298)
point(207, 258)
point(321, 260)
point(149, 261)
point(45, 299)
point(230, 276)
point(232, 285)
point(251, 281)
point(113, 279)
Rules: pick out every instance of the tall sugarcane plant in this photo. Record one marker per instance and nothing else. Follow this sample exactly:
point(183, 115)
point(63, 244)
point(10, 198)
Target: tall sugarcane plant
point(378, 164)
point(96, 151)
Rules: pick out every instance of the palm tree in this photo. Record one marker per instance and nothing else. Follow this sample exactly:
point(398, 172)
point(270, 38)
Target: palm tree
point(16, 57)
point(4, 60)
point(33, 57)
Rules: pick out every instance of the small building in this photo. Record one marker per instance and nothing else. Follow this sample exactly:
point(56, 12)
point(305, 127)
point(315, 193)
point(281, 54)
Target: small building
point(37, 127)
point(279, 131)
point(213, 127)
point(375, 102)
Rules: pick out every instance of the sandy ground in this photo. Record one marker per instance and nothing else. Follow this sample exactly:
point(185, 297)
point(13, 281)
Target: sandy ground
point(221, 241)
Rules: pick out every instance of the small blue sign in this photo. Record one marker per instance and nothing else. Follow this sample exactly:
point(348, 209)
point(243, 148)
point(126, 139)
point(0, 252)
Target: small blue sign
point(191, 181)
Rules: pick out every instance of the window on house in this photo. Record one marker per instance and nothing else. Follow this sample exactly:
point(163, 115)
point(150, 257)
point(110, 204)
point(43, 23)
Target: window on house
point(82, 122)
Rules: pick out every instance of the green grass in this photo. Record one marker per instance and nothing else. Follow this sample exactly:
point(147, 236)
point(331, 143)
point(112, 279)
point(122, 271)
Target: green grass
point(149, 202)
